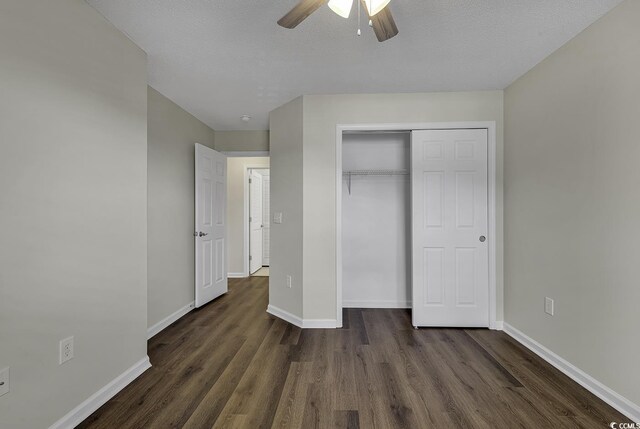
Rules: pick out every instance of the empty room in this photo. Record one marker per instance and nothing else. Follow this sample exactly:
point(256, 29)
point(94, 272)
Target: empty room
point(319, 214)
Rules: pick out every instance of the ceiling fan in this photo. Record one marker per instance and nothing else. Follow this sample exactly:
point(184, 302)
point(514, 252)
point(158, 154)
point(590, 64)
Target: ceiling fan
point(378, 10)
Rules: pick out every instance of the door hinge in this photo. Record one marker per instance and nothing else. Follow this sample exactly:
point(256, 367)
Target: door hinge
point(249, 180)
point(250, 257)
point(250, 219)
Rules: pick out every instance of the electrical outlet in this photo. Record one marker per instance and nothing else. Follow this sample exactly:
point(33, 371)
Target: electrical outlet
point(4, 381)
point(548, 306)
point(277, 217)
point(289, 282)
point(66, 350)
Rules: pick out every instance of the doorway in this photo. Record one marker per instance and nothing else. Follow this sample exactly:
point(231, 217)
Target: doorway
point(239, 170)
point(259, 226)
point(376, 221)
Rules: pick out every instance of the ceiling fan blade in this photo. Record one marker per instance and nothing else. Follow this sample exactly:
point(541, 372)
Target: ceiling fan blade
point(383, 24)
point(300, 12)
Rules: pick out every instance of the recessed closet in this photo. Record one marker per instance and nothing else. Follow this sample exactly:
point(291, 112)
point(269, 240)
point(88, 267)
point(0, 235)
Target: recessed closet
point(376, 221)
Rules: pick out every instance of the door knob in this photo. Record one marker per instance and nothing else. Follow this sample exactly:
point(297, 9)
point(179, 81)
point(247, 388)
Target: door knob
point(202, 234)
point(482, 239)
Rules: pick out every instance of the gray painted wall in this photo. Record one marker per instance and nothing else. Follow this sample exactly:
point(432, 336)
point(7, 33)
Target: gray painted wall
point(242, 141)
point(286, 197)
point(73, 210)
point(571, 201)
point(172, 136)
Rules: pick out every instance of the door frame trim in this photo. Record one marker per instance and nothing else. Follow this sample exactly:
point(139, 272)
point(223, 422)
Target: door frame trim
point(246, 228)
point(490, 126)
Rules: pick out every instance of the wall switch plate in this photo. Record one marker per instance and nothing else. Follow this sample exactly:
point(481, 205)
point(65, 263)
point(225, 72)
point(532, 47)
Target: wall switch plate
point(4, 381)
point(66, 350)
point(289, 282)
point(548, 306)
point(277, 217)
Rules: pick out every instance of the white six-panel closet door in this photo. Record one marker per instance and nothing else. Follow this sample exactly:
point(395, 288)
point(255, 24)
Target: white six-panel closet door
point(450, 224)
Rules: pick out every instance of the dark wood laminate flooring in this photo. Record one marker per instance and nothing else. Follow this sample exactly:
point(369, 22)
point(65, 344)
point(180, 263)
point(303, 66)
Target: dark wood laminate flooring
point(231, 365)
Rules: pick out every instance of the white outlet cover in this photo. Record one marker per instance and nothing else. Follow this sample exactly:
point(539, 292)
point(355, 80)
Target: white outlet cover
point(277, 217)
point(66, 350)
point(4, 381)
point(289, 282)
point(548, 306)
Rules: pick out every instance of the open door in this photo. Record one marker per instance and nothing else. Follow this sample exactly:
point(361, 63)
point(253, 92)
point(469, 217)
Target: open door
point(256, 224)
point(450, 260)
point(211, 226)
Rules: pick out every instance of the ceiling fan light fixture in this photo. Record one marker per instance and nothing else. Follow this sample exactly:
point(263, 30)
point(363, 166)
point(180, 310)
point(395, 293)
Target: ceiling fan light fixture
point(375, 6)
point(341, 7)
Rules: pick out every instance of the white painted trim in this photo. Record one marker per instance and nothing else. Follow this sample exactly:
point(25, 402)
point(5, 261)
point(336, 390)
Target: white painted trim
point(236, 275)
point(339, 132)
point(245, 250)
point(98, 399)
point(376, 304)
point(155, 329)
point(319, 323)
point(490, 126)
point(617, 401)
point(284, 315)
point(246, 154)
point(498, 326)
point(299, 322)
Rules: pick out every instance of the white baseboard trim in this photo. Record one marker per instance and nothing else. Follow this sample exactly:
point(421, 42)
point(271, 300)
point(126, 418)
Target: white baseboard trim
point(284, 315)
point(319, 323)
point(155, 329)
point(98, 399)
point(299, 322)
point(498, 325)
point(376, 304)
point(236, 275)
point(603, 392)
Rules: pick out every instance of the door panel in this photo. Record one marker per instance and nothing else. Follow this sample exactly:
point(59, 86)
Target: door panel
point(450, 202)
point(266, 221)
point(255, 221)
point(210, 224)
point(219, 260)
point(433, 276)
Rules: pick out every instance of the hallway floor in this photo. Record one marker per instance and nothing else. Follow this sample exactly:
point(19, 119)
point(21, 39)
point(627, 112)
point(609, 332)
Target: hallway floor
point(232, 365)
point(262, 272)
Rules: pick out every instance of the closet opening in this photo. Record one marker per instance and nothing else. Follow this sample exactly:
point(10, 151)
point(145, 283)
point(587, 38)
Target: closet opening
point(376, 219)
point(416, 221)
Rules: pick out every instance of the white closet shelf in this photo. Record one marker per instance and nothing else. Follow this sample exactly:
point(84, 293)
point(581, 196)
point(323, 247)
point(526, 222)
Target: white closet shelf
point(375, 173)
point(350, 173)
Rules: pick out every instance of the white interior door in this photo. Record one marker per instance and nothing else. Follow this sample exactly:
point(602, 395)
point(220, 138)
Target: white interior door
point(266, 230)
point(450, 223)
point(211, 225)
point(255, 221)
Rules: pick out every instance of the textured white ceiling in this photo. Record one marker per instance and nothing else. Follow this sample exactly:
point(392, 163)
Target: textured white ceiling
point(221, 59)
